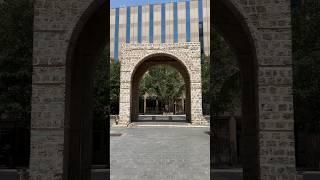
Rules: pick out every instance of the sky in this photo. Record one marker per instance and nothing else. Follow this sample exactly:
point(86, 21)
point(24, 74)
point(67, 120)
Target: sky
point(123, 3)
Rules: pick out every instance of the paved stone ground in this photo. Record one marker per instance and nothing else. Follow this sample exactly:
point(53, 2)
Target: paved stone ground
point(236, 174)
point(216, 175)
point(160, 153)
point(156, 153)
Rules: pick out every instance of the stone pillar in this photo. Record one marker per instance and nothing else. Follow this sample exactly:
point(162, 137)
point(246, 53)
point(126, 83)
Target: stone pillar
point(233, 138)
point(264, 51)
point(124, 103)
point(144, 104)
point(182, 101)
point(196, 103)
point(56, 23)
point(276, 116)
point(157, 106)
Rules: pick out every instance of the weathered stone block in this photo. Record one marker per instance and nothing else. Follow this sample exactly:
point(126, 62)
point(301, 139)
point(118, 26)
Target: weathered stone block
point(187, 54)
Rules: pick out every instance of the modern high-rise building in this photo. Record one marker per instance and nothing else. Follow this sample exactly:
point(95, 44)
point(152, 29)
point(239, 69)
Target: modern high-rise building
point(174, 22)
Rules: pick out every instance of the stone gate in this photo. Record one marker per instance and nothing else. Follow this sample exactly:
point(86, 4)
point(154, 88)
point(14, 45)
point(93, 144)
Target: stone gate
point(259, 33)
point(70, 35)
point(137, 58)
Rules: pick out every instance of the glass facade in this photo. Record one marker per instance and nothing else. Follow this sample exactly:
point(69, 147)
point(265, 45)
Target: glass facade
point(200, 14)
point(163, 23)
point(151, 24)
point(128, 25)
point(175, 22)
point(116, 35)
point(188, 36)
point(137, 24)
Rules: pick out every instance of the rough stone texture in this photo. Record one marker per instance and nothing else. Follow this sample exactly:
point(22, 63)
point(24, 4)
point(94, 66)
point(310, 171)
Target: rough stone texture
point(54, 23)
point(269, 24)
point(133, 55)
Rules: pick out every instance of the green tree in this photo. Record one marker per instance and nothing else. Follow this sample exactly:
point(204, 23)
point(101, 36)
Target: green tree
point(306, 58)
point(165, 82)
point(100, 90)
point(16, 41)
point(225, 78)
point(205, 82)
point(306, 83)
point(114, 86)
point(16, 20)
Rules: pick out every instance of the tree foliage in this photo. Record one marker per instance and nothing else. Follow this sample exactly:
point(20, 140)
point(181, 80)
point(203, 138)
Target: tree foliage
point(164, 82)
point(16, 41)
point(205, 84)
point(306, 67)
point(114, 86)
point(306, 83)
point(101, 90)
point(16, 20)
point(225, 78)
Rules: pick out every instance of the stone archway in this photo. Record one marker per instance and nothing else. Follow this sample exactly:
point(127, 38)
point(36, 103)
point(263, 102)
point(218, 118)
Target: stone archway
point(263, 50)
point(135, 61)
point(69, 37)
point(143, 67)
point(258, 31)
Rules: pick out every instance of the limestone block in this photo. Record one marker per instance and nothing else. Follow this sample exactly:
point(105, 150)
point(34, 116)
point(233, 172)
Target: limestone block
point(48, 75)
point(186, 53)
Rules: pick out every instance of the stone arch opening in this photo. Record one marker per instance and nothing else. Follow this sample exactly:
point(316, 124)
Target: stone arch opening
point(231, 24)
point(88, 40)
point(67, 51)
point(143, 67)
point(184, 56)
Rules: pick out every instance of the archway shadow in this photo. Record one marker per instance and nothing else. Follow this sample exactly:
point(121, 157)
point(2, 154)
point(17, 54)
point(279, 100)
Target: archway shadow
point(230, 23)
point(88, 40)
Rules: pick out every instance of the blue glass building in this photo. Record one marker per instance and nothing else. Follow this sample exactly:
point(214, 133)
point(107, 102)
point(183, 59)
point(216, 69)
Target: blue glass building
point(187, 21)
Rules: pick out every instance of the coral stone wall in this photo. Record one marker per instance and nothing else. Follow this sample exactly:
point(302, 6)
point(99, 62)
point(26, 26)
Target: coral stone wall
point(54, 25)
point(269, 23)
point(270, 26)
point(188, 54)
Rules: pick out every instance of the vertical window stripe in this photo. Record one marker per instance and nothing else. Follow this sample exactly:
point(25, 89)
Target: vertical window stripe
point(175, 22)
point(116, 35)
point(151, 23)
point(200, 11)
point(139, 24)
point(163, 23)
point(128, 26)
point(188, 36)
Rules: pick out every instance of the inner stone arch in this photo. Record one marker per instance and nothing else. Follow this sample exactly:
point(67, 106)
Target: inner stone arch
point(144, 66)
point(138, 58)
point(61, 143)
point(262, 120)
point(227, 18)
